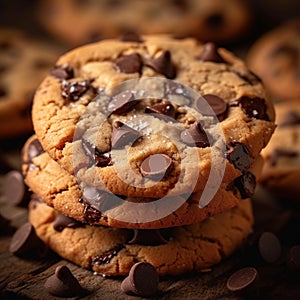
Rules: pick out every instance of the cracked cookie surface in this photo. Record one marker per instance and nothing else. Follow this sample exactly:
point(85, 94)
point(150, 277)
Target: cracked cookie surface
point(113, 251)
point(69, 92)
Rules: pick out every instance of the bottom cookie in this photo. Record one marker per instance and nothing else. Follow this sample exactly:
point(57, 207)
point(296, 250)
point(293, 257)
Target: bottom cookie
point(113, 251)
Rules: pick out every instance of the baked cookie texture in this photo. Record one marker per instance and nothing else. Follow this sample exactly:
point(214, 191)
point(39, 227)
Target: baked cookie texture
point(275, 57)
point(79, 22)
point(281, 171)
point(69, 92)
point(95, 207)
point(23, 64)
point(112, 251)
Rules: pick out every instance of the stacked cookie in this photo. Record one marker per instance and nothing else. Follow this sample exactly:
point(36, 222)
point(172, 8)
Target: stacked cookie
point(146, 148)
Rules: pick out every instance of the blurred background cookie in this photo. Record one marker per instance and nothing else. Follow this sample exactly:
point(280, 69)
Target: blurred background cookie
point(23, 64)
point(275, 57)
point(281, 172)
point(77, 22)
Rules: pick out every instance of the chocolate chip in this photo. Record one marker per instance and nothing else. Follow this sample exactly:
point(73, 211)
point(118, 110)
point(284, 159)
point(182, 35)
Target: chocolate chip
point(121, 103)
point(25, 242)
point(131, 63)
point(130, 36)
point(246, 184)
point(123, 135)
point(269, 247)
point(253, 107)
point(242, 279)
point(291, 118)
point(156, 166)
point(239, 155)
point(162, 109)
point(63, 283)
point(13, 188)
point(217, 104)
point(142, 280)
point(62, 71)
point(248, 76)
point(293, 258)
point(277, 153)
point(195, 136)
point(103, 159)
point(107, 256)
point(34, 149)
point(210, 53)
point(73, 90)
point(214, 21)
point(61, 222)
point(148, 237)
point(163, 65)
point(172, 87)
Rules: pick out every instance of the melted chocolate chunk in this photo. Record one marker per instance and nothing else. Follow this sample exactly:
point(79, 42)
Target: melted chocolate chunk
point(61, 222)
point(63, 283)
point(103, 159)
point(91, 215)
point(148, 237)
point(62, 72)
point(142, 280)
point(248, 76)
point(277, 153)
point(73, 90)
point(107, 256)
point(130, 36)
point(131, 63)
point(195, 136)
point(162, 109)
point(210, 53)
point(34, 149)
point(123, 135)
point(163, 65)
point(291, 118)
point(253, 107)
point(246, 184)
point(242, 279)
point(122, 103)
point(156, 166)
point(172, 87)
point(239, 155)
point(217, 104)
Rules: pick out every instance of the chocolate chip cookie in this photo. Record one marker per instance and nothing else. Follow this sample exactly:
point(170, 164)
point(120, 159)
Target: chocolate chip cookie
point(78, 22)
point(275, 57)
point(281, 172)
point(94, 206)
point(111, 113)
point(23, 65)
point(113, 251)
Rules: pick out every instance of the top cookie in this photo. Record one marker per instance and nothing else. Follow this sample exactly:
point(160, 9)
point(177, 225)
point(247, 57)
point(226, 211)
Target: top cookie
point(275, 57)
point(23, 65)
point(78, 22)
point(150, 137)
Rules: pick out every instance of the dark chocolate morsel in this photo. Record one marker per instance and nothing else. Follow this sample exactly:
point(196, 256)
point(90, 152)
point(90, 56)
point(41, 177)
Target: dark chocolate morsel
point(25, 242)
point(163, 65)
point(242, 279)
point(239, 155)
point(253, 107)
point(131, 63)
point(121, 103)
point(62, 72)
point(217, 104)
point(164, 108)
point(107, 256)
point(269, 247)
point(13, 188)
point(34, 149)
point(148, 237)
point(195, 136)
point(210, 53)
point(142, 280)
point(173, 87)
point(61, 222)
point(130, 36)
point(246, 184)
point(102, 159)
point(277, 153)
point(73, 90)
point(291, 118)
point(123, 135)
point(63, 283)
point(293, 258)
